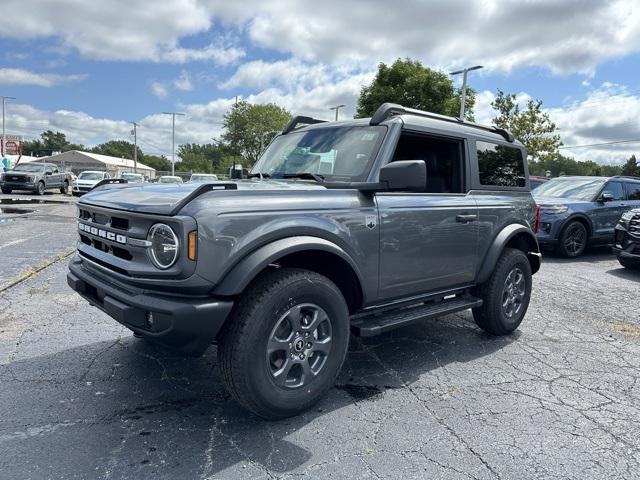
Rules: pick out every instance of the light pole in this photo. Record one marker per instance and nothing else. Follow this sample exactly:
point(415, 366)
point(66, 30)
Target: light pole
point(135, 146)
point(4, 99)
point(463, 92)
point(173, 139)
point(336, 108)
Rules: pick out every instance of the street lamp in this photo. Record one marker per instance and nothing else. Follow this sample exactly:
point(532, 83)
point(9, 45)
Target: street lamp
point(463, 92)
point(173, 139)
point(336, 108)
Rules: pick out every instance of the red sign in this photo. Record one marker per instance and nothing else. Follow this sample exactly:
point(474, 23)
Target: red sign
point(11, 148)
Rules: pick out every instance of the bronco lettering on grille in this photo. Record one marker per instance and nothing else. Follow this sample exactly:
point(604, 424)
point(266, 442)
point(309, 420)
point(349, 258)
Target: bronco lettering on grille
point(98, 232)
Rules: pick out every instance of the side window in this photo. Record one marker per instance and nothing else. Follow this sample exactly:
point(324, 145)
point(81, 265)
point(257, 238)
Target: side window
point(633, 191)
point(442, 156)
point(55, 170)
point(48, 170)
point(615, 188)
point(500, 165)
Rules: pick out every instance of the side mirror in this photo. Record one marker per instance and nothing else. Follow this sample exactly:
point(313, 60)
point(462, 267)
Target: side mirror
point(404, 175)
point(606, 197)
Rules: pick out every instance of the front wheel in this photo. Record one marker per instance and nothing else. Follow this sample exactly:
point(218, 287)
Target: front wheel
point(629, 264)
point(505, 295)
point(64, 189)
point(283, 347)
point(40, 190)
point(573, 240)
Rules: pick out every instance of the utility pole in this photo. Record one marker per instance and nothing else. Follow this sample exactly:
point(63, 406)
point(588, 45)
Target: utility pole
point(135, 146)
point(4, 99)
point(336, 108)
point(463, 92)
point(173, 139)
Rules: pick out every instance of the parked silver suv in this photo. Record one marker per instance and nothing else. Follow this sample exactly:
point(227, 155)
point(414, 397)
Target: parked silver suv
point(360, 226)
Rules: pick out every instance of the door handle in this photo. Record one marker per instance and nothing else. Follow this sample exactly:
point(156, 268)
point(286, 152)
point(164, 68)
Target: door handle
point(466, 218)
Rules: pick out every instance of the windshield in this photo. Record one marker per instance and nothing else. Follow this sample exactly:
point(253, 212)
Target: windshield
point(203, 178)
point(338, 153)
point(91, 176)
point(132, 177)
point(170, 180)
point(28, 168)
point(575, 188)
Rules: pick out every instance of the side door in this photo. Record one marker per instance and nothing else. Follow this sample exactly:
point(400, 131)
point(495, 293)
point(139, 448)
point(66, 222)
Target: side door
point(633, 194)
point(49, 177)
point(428, 240)
point(606, 214)
point(57, 177)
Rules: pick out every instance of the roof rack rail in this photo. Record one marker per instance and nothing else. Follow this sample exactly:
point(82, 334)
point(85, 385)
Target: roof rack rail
point(630, 177)
point(387, 110)
point(300, 120)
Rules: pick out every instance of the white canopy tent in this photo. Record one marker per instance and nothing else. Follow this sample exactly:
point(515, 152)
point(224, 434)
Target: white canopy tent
point(77, 161)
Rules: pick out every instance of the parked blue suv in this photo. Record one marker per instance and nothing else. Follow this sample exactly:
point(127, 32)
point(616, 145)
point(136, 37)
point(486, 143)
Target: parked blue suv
point(578, 211)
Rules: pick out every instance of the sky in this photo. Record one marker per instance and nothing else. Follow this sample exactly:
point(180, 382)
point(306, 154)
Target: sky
point(89, 68)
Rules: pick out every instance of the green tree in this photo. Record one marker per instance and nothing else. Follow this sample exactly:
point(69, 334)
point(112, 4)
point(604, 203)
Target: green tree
point(204, 158)
point(117, 148)
point(249, 128)
point(410, 84)
point(631, 167)
point(530, 125)
point(48, 143)
point(158, 162)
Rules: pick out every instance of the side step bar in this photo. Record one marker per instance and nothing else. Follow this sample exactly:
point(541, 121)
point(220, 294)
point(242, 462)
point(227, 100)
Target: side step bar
point(377, 323)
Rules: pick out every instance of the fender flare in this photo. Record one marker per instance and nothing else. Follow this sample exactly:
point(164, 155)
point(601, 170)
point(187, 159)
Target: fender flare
point(500, 242)
point(236, 279)
point(577, 216)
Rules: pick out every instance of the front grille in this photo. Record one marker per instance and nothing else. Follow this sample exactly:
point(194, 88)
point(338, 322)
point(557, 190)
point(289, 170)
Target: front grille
point(634, 225)
point(16, 178)
point(104, 219)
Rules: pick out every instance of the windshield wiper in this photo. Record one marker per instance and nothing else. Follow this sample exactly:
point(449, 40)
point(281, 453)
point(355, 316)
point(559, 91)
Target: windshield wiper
point(305, 176)
point(261, 175)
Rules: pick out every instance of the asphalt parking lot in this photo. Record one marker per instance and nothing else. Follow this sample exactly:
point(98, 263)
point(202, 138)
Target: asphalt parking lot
point(82, 398)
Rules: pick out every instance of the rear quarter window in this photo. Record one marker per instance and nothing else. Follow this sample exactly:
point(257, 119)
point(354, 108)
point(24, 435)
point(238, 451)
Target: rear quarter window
point(500, 165)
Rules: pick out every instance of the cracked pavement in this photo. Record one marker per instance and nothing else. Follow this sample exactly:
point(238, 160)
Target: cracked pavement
point(82, 398)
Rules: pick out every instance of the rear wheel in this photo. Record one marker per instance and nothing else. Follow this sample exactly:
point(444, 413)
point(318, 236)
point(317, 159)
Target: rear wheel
point(573, 240)
point(64, 189)
point(40, 190)
point(283, 348)
point(505, 295)
point(6, 190)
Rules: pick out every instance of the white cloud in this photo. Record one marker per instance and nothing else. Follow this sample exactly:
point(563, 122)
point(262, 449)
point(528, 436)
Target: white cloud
point(564, 36)
point(19, 76)
point(117, 30)
point(183, 82)
point(159, 90)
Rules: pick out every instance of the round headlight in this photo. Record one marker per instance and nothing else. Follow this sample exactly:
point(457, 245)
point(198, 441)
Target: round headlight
point(164, 245)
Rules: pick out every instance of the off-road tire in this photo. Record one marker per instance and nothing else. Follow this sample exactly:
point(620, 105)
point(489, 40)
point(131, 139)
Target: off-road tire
point(491, 315)
point(242, 347)
point(631, 265)
point(572, 228)
point(41, 188)
point(6, 191)
point(64, 189)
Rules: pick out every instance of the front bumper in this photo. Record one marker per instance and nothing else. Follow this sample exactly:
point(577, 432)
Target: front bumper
point(626, 246)
point(19, 185)
point(188, 324)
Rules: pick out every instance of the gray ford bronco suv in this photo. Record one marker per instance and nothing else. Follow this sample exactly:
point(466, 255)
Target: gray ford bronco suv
point(359, 226)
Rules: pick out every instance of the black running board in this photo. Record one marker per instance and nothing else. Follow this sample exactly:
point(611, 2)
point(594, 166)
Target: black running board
point(375, 324)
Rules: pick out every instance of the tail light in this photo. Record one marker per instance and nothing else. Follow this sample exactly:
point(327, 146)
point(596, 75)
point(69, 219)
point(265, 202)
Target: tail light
point(536, 221)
